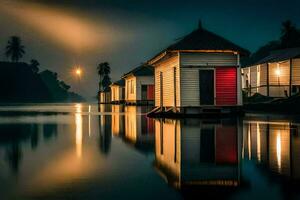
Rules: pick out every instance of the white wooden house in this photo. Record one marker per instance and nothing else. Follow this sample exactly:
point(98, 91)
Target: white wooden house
point(104, 96)
point(118, 91)
point(139, 85)
point(201, 70)
point(277, 75)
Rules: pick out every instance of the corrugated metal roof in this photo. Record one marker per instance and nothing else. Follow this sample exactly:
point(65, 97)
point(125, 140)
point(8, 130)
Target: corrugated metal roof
point(143, 70)
point(280, 55)
point(202, 39)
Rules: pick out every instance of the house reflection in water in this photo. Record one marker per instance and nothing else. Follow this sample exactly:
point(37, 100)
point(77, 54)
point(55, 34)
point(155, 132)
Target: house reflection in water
point(198, 152)
point(275, 145)
point(117, 120)
point(139, 129)
point(105, 132)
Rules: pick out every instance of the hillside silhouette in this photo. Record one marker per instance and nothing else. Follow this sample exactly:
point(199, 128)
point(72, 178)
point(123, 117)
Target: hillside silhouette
point(19, 83)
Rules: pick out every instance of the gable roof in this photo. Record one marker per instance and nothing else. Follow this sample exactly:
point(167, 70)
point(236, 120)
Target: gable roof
point(120, 82)
point(143, 70)
point(280, 55)
point(202, 39)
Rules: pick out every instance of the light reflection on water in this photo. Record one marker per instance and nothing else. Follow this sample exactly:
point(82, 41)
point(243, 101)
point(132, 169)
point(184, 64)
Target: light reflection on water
point(114, 152)
point(78, 124)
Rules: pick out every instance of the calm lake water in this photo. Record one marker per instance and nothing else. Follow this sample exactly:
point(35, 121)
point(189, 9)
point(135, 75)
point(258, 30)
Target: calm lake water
point(81, 151)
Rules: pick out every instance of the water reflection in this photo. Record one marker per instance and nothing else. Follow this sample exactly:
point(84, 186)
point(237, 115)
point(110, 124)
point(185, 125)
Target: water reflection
point(197, 152)
point(88, 154)
point(78, 124)
point(139, 129)
point(273, 144)
point(105, 129)
point(14, 136)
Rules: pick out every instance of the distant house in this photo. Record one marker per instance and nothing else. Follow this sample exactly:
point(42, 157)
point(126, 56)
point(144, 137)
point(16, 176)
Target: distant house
point(202, 69)
point(277, 75)
point(105, 96)
point(118, 91)
point(139, 85)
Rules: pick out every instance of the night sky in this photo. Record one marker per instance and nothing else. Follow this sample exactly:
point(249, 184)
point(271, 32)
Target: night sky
point(63, 33)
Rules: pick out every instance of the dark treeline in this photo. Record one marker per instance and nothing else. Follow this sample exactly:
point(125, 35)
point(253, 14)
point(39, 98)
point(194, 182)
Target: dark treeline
point(289, 38)
point(22, 82)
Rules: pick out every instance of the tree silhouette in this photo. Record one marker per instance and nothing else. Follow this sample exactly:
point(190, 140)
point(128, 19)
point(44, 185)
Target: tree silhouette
point(106, 81)
point(290, 38)
point(34, 64)
point(290, 35)
point(14, 49)
point(103, 72)
point(64, 85)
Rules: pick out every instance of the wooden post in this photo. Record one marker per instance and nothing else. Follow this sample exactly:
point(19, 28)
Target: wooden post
point(161, 89)
point(268, 86)
point(175, 87)
point(291, 74)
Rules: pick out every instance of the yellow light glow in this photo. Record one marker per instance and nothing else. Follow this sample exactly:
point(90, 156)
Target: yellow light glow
point(75, 33)
point(89, 120)
point(78, 72)
point(258, 143)
point(278, 72)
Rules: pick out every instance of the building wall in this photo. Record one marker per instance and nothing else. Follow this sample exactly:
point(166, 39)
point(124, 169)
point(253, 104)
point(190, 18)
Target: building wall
point(208, 59)
point(130, 89)
point(166, 69)
point(190, 63)
point(105, 97)
point(284, 77)
point(245, 77)
point(278, 83)
point(116, 93)
point(142, 80)
point(296, 71)
point(262, 81)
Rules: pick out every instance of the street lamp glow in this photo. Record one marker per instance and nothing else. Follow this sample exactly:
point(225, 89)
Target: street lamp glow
point(78, 72)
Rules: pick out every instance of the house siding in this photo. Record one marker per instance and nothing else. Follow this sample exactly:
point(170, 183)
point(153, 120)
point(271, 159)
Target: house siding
point(190, 64)
point(116, 93)
point(296, 71)
point(208, 59)
point(130, 93)
point(167, 68)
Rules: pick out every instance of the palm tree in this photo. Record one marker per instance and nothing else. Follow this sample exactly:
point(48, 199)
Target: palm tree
point(14, 49)
point(34, 64)
point(103, 69)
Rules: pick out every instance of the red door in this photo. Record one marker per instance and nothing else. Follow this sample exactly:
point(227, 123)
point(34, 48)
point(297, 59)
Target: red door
point(226, 145)
point(150, 92)
point(226, 86)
